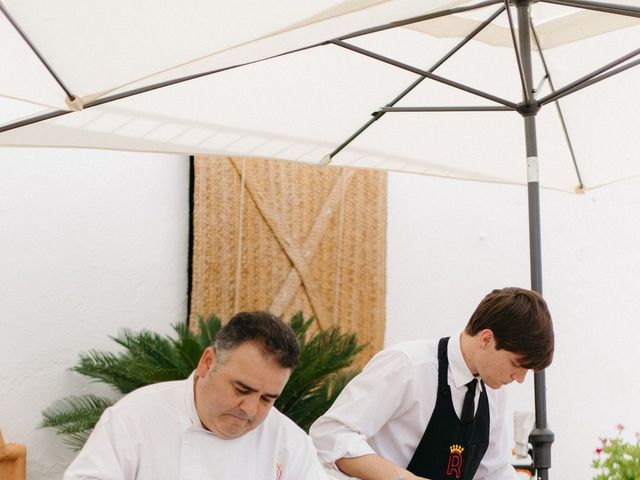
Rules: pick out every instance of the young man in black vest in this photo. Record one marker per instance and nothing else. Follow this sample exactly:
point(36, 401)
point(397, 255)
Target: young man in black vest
point(435, 408)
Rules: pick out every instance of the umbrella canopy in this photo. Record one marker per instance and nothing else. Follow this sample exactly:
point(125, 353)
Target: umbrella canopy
point(58, 57)
point(438, 87)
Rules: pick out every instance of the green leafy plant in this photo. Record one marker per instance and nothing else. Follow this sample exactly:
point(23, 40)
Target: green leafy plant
point(148, 357)
point(617, 459)
point(322, 371)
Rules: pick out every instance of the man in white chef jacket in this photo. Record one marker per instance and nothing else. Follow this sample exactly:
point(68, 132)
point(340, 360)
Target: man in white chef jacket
point(217, 424)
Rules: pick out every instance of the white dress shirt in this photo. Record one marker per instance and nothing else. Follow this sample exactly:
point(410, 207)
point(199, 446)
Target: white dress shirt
point(154, 433)
point(386, 409)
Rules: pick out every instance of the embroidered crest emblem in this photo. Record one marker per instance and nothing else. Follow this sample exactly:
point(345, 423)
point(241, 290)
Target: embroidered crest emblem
point(454, 466)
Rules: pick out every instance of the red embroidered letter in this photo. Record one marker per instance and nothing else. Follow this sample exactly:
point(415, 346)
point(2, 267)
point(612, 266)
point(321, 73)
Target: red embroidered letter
point(454, 467)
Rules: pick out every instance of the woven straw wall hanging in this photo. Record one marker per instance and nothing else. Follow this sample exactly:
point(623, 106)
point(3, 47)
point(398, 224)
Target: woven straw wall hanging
point(287, 237)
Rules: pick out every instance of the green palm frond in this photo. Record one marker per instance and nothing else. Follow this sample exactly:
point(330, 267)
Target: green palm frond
point(74, 417)
point(315, 382)
point(189, 345)
point(300, 327)
point(326, 352)
point(318, 399)
point(208, 329)
point(108, 368)
point(151, 357)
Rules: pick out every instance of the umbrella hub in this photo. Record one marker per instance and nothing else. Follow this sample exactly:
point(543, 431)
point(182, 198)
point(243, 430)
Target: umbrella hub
point(528, 108)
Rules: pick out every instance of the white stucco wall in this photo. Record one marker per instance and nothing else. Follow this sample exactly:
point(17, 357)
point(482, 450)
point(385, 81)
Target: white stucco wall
point(89, 242)
point(451, 242)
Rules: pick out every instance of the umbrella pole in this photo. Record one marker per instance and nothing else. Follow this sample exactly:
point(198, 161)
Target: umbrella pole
point(541, 437)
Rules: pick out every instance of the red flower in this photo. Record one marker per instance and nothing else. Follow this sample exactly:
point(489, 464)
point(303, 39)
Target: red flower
point(620, 427)
point(598, 451)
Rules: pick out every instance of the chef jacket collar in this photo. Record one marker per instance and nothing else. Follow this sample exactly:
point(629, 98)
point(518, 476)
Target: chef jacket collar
point(190, 401)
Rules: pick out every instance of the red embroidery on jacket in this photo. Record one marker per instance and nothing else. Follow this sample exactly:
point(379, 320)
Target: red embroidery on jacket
point(454, 466)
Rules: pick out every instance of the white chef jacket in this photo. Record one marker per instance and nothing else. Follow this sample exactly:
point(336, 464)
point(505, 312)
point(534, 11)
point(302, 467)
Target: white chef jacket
point(386, 409)
point(154, 433)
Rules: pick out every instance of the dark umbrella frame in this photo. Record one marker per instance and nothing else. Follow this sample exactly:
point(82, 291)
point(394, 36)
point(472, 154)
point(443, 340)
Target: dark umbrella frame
point(541, 437)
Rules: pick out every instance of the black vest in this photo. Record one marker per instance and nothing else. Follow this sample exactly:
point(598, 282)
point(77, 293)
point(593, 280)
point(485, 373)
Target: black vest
point(450, 449)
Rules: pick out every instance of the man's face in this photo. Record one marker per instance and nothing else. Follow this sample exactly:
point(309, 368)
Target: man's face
point(235, 393)
point(497, 367)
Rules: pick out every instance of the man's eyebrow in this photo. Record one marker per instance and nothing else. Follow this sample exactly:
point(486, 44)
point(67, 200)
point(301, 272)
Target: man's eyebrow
point(251, 389)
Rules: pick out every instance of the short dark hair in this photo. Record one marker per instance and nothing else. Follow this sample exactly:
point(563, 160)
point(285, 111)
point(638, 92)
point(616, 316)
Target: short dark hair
point(276, 339)
point(520, 322)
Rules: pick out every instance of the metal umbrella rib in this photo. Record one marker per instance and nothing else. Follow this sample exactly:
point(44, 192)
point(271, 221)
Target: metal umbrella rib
point(525, 90)
point(557, 104)
point(447, 109)
point(389, 107)
point(37, 53)
point(421, 18)
point(594, 77)
point(145, 89)
point(426, 74)
point(598, 7)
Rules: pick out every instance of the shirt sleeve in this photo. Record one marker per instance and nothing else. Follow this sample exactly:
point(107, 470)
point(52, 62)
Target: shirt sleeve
point(101, 458)
point(363, 407)
point(496, 464)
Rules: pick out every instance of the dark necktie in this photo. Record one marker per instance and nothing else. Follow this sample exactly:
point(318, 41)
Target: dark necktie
point(468, 407)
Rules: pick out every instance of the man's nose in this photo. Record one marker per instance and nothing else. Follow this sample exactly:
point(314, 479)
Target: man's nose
point(520, 375)
point(249, 405)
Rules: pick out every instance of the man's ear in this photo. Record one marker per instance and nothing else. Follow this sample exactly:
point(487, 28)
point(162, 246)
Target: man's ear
point(486, 338)
point(207, 361)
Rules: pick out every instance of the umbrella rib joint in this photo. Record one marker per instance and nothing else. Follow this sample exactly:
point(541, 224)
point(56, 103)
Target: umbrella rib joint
point(528, 108)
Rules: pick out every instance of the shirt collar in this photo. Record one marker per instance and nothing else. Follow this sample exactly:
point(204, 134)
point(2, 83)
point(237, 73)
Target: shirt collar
point(460, 373)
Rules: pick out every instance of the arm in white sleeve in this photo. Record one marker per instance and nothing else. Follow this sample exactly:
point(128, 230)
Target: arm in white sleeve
point(496, 463)
point(102, 457)
point(363, 407)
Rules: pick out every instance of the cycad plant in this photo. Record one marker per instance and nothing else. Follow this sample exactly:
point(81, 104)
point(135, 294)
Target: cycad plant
point(148, 357)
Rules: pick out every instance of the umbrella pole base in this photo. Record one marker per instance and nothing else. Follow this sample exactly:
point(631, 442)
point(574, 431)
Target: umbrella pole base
point(541, 440)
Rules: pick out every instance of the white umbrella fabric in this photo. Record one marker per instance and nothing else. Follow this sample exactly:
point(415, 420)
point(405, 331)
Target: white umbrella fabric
point(438, 87)
point(301, 106)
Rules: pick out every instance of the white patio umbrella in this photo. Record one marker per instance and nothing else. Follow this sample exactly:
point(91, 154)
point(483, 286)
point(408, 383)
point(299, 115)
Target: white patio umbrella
point(438, 87)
